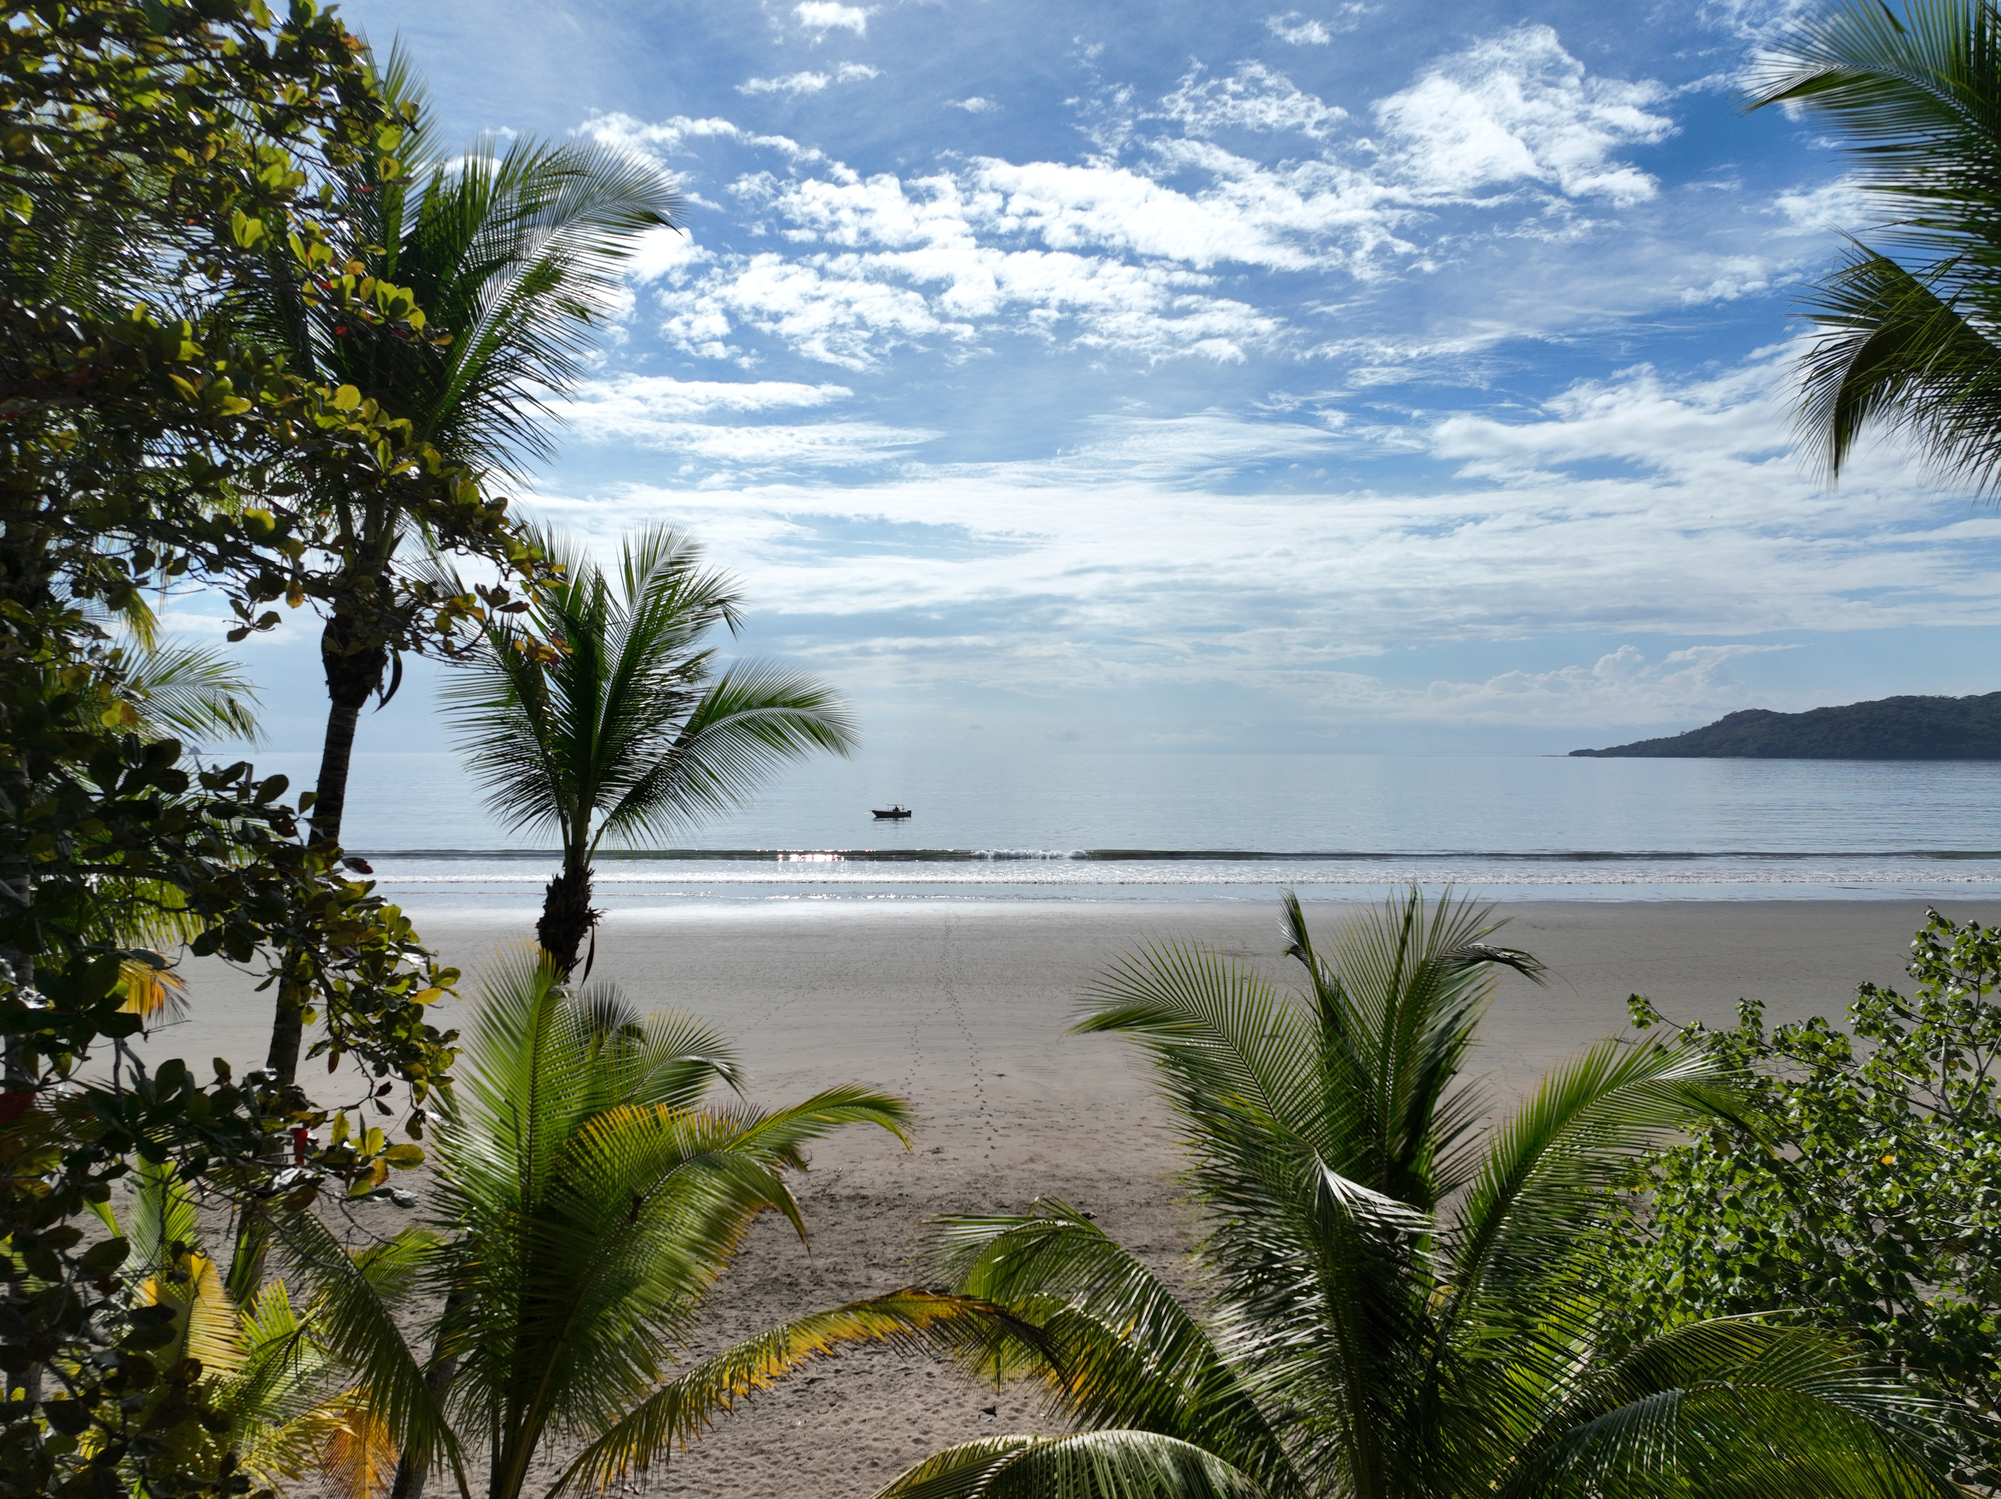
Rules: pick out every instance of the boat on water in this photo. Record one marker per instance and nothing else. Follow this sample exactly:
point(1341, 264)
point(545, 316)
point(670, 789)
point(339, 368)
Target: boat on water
point(892, 813)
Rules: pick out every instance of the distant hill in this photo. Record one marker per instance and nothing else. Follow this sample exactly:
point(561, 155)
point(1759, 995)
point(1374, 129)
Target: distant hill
point(1890, 728)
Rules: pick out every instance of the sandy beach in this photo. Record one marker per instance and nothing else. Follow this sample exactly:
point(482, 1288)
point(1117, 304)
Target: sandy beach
point(961, 1008)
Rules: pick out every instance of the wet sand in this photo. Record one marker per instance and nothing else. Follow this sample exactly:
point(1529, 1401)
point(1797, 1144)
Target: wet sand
point(961, 1008)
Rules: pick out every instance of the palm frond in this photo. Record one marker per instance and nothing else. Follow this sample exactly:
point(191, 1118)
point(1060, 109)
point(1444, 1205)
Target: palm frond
point(1736, 1408)
point(1896, 354)
point(190, 691)
point(1543, 1185)
point(752, 720)
point(690, 1403)
point(351, 1318)
point(1114, 1348)
point(1090, 1465)
point(1917, 101)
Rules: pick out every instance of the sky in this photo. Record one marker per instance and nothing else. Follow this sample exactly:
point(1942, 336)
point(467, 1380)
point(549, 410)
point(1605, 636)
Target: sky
point(1406, 378)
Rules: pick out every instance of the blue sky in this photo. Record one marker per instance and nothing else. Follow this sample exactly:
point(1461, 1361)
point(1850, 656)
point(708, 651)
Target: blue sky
point(1359, 376)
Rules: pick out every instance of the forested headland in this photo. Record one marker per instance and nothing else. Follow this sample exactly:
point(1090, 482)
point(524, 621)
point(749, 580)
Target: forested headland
point(1890, 728)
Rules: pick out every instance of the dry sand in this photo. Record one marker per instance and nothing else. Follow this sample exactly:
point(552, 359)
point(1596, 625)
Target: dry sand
point(961, 1009)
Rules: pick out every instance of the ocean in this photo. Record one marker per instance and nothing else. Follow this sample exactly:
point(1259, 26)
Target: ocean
point(1081, 826)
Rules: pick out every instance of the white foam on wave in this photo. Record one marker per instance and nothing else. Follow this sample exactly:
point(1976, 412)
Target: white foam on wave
point(1070, 870)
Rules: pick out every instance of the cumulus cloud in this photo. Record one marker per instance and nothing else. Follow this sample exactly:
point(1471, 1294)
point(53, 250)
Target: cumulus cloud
point(823, 16)
point(1129, 250)
point(1621, 687)
point(663, 252)
point(975, 105)
point(808, 82)
point(1300, 30)
point(1519, 108)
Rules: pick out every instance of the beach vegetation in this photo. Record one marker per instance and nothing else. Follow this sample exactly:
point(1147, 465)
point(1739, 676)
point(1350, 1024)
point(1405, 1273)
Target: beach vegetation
point(1859, 1190)
point(161, 166)
point(1392, 1301)
point(593, 1189)
point(631, 729)
point(511, 258)
point(280, 1402)
point(1907, 316)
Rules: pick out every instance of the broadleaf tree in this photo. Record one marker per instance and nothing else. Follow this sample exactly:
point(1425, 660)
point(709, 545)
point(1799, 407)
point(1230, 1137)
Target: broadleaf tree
point(1860, 1190)
point(155, 159)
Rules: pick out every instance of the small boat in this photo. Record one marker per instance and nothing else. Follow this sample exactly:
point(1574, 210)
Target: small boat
point(894, 813)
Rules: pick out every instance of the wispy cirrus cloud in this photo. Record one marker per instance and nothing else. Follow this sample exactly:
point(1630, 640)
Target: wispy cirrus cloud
point(1594, 514)
point(809, 82)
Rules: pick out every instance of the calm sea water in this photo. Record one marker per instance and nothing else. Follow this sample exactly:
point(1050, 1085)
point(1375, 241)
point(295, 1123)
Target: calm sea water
point(1229, 827)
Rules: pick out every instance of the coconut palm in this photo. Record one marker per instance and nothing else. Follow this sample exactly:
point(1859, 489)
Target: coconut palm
point(594, 1194)
point(1912, 320)
point(515, 256)
point(284, 1405)
point(632, 733)
point(1397, 1305)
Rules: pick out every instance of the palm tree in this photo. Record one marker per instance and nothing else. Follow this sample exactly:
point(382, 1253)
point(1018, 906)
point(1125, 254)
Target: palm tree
point(1912, 323)
point(1397, 1306)
point(630, 733)
point(515, 257)
point(284, 1404)
point(594, 1196)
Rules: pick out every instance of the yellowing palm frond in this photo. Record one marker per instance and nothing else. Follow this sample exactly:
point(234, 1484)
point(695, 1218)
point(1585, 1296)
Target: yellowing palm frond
point(359, 1455)
point(152, 993)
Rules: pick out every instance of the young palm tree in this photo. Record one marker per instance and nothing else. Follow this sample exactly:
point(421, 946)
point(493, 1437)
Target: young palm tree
point(594, 1196)
point(515, 257)
point(631, 733)
point(1910, 322)
point(287, 1404)
point(1398, 1307)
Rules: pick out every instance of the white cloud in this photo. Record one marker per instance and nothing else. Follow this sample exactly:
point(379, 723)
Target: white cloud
point(1304, 31)
point(1129, 251)
point(1299, 30)
point(1254, 98)
point(629, 400)
point(673, 137)
point(659, 412)
point(1518, 108)
point(975, 105)
point(809, 83)
point(1621, 687)
point(826, 15)
point(1843, 206)
point(1638, 506)
point(663, 252)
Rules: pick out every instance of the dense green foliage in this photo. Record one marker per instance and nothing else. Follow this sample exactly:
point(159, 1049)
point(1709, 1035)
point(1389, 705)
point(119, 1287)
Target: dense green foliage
point(1397, 1305)
point(160, 165)
point(1891, 728)
point(630, 730)
point(1862, 1190)
point(1908, 317)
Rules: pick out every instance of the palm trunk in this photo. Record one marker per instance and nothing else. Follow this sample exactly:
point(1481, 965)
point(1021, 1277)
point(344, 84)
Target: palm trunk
point(351, 675)
point(414, 1466)
point(567, 917)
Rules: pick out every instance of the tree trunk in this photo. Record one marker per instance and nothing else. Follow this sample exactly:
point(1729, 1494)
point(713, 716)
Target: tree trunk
point(567, 917)
point(415, 1463)
point(351, 676)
